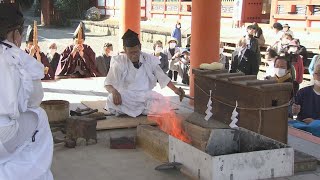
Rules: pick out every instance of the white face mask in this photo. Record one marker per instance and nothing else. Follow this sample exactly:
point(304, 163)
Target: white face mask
point(292, 50)
point(221, 50)
point(280, 72)
point(158, 50)
point(178, 26)
point(317, 83)
point(172, 45)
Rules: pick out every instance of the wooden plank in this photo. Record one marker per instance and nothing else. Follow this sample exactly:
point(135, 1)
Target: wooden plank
point(123, 122)
point(154, 141)
point(113, 122)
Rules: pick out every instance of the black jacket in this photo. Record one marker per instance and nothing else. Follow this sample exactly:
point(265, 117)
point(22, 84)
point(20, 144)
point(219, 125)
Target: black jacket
point(247, 64)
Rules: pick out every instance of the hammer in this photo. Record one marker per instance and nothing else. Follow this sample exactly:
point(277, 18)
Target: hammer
point(182, 95)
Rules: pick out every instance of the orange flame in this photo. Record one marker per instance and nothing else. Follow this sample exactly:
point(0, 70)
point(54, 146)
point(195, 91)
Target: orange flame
point(168, 121)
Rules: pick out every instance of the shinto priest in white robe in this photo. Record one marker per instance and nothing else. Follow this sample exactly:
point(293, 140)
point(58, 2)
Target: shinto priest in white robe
point(26, 145)
point(135, 85)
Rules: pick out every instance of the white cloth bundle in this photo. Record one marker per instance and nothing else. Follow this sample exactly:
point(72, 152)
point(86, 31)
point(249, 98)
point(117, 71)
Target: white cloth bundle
point(212, 66)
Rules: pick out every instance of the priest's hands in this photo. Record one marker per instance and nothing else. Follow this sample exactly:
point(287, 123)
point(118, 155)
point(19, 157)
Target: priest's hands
point(296, 109)
point(77, 48)
point(116, 97)
point(308, 120)
point(35, 50)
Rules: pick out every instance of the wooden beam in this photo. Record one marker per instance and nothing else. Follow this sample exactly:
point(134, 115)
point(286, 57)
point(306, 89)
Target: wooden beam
point(154, 141)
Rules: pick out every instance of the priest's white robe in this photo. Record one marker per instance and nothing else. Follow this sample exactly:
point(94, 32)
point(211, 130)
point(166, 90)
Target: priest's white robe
point(135, 85)
point(26, 144)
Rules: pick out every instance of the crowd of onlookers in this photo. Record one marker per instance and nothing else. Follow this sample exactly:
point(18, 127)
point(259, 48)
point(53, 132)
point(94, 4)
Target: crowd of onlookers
point(286, 59)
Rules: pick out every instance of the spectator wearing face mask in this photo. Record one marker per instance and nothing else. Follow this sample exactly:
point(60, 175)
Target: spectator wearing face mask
point(173, 53)
point(284, 71)
point(271, 55)
point(244, 60)
point(158, 48)
point(286, 39)
point(176, 33)
point(307, 101)
point(53, 56)
point(296, 61)
point(185, 66)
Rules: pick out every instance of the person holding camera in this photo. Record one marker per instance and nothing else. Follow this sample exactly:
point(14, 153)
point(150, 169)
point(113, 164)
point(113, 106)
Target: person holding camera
point(296, 60)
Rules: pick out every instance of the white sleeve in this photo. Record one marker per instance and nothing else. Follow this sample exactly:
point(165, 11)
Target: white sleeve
point(36, 96)
point(162, 78)
point(115, 72)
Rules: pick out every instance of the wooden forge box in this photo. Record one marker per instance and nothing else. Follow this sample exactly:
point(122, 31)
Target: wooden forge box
point(262, 105)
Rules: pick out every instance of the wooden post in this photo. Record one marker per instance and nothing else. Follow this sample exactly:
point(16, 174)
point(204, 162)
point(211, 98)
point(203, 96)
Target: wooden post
point(153, 141)
point(309, 13)
point(205, 31)
point(130, 17)
point(179, 9)
point(274, 11)
point(164, 8)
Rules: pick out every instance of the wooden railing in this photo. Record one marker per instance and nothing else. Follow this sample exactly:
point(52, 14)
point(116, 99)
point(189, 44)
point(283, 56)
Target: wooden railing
point(165, 7)
point(114, 8)
point(300, 10)
point(182, 8)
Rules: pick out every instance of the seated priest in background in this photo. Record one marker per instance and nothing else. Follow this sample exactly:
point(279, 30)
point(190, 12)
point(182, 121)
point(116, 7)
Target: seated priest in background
point(34, 51)
point(131, 78)
point(103, 61)
point(53, 56)
point(78, 60)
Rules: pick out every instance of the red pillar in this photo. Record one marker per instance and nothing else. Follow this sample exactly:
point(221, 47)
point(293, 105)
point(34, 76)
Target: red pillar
point(274, 11)
point(309, 13)
point(205, 34)
point(130, 16)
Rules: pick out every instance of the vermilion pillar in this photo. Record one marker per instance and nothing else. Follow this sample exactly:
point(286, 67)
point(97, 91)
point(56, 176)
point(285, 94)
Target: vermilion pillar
point(130, 16)
point(274, 11)
point(205, 34)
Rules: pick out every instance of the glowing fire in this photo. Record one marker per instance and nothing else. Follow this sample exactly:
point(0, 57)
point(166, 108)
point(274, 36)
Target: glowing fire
point(168, 121)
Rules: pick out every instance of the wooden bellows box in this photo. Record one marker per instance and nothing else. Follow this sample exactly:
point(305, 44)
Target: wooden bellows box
point(262, 105)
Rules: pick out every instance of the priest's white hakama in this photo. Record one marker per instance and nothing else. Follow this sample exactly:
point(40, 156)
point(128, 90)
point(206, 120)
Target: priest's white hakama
point(135, 85)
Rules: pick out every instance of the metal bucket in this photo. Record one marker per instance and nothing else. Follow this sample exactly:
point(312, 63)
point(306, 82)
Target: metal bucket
point(57, 110)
